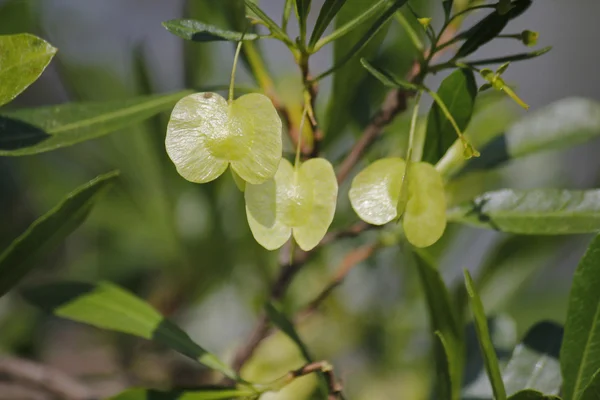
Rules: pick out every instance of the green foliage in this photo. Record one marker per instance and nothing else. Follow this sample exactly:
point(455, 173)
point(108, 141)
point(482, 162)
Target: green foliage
point(48, 231)
point(580, 358)
point(24, 58)
point(199, 32)
point(216, 393)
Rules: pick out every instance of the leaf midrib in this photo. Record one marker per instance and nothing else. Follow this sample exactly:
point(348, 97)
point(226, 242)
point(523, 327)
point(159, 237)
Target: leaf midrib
point(585, 354)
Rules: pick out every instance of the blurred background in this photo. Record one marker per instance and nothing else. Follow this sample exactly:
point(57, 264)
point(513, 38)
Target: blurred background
point(187, 248)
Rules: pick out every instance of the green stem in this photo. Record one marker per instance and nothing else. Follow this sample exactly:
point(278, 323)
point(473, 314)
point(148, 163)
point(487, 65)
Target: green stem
point(413, 125)
point(412, 34)
point(235, 61)
point(445, 110)
point(300, 134)
point(287, 10)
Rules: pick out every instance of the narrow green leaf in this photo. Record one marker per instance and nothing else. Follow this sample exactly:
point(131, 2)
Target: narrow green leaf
point(535, 361)
point(302, 10)
point(510, 58)
point(447, 4)
point(580, 353)
point(280, 320)
point(48, 231)
point(489, 27)
point(356, 50)
point(485, 342)
point(287, 11)
point(24, 58)
point(37, 130)
point(443, 366)
point(458, 92)
point(535, 212)
point(592, 390)
point(443, 319)
point(272, 25)
point(211, 393)
point(328, 12)
point(107, 306)
point(386, 77)
point(197, 31)
point(560, 125)
point(532, 395)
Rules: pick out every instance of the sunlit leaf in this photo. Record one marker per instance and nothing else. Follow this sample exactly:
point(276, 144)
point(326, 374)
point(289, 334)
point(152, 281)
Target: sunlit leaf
point(23, 58)
point(534, 363)
point(37, 130)
point(580, 353)
point(535, 212)
point(387, 77)
point(206, 134)
point(197, 31)
point(300, 200)
point(375, 191)
point(425, 216)
point(458, 92)
point(107, 306)
point(23, 255)
point(485, 342)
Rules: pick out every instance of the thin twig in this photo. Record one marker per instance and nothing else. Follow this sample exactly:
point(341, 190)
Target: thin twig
point(334, 387)
point(50, 380)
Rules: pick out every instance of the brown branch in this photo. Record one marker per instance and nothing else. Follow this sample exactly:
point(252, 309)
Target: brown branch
point(50, 380)
point(333, 386)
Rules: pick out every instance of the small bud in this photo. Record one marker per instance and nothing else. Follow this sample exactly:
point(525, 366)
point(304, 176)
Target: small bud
point(485, 86)
point(529, 38)
point(502, 69)
point(498, 83)
point(504, 6)
point(487, 74)
point(469, 151)
point(424, 22)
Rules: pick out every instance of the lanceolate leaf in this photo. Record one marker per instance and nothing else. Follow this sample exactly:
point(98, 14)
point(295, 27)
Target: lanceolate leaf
point(107, 306)
point(386, 77)
point(213, 393)
point(48, 231)
point(458, 92)
point(592, 391)
point(272, 25)
point(535, 361)
point(580, 354)
point(535, 212)
point(443, 320)
point(489, 27)
point(326, 15)
point(37, 130)
point(279, 319)
point(200, 32)
point(485, 342)
point(302, 10)
point(560, 125)
point(532, 395)
point(23, 58)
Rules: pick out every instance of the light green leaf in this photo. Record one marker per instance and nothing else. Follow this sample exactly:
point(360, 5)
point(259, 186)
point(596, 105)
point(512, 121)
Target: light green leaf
point(375, 191)
point(449, 348)
point(532, 395)
point(425, 216)
point(565, 123)
point(197, 31)
point(107, 306)
point(386, 77)
point(206, 134)
point(301, 200)
point(580, 353)
point(23, 58)
point(592, 390)
point(535, 212)
point(328, 12)
point(37, 130)
point(534, 363)
point(48, 231)
point(485, 342)
point(458, 92)
point(213, 393)
point(272, 25)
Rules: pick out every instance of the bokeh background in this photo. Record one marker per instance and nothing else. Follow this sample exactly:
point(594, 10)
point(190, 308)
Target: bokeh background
point(187, 248)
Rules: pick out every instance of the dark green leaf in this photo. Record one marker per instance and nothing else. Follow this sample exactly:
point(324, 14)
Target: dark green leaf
point(302, 10)
point(197, 31)
point(592, 390)
point(48, 231)
point(37, 130)
point(212, 393)
point(489, 27)
point(580, 354)
point(535, 212)
point(448, 4)
point(443, 319)
point(386, 77)
point(24, 58)
point(490, 358)
point(107, 306)
point(326, 15)
point(560, 125)
point(458, 92)
point(279, 319)
point(506, 59)
point(17, 16)
point(272, 25)
point(532, 395)
point(443, 366)
point(535, 361)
